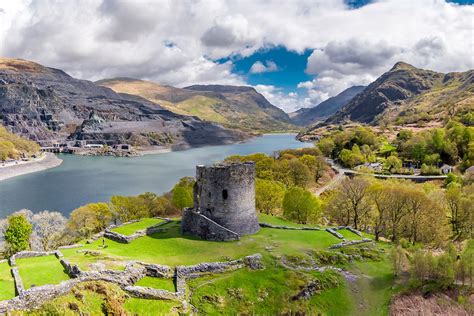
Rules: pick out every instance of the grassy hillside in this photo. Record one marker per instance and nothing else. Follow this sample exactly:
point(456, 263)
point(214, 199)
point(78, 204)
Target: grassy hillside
point(265, 292)
point(234, 107)
point(14, 147)
point(406, 94)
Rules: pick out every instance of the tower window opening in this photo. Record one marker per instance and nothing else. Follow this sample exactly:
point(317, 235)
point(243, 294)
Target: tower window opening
point(225, 194)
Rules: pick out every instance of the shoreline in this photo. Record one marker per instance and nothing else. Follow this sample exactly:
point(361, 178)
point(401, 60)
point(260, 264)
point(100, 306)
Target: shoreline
point(47, 161)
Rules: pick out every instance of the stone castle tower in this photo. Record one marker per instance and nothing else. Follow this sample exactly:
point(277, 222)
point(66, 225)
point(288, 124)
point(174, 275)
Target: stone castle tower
point(224, 203)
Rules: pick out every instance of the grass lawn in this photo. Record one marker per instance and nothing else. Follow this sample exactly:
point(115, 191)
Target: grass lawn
point(349, 235)
point(7, 285)
point(40, 271)
point(157, 283)
point(373, 290)
point(171, 248)
point(140, 306)
point(129, 229)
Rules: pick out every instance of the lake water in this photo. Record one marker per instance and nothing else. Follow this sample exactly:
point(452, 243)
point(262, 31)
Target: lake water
point(81, 179)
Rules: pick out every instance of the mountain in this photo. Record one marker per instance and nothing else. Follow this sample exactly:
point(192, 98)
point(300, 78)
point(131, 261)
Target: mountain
point(238, 107)
point(308, 116)
point(406, 94)
point(46, 104)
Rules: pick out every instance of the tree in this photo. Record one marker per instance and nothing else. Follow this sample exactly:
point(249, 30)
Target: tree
point(326, 145)
point(182, 197)
point(316, 165)
point(301, 206)
point(89, 219)
point(392, 163)
point(351, 202)
point(127, 208)
point(17, 234)
point(299, 173)
point(269, 196)
point(47, 229)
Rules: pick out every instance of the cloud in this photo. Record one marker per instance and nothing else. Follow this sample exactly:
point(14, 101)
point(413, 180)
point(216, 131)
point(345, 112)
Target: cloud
point(291, 101)
point(180, 42)
point(259, 67)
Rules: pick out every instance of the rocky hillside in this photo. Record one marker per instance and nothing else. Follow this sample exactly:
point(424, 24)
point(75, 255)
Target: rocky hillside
point(14, 147)
point(46, 104)
point(406, 94)
point(232, 106)
point(322, 111)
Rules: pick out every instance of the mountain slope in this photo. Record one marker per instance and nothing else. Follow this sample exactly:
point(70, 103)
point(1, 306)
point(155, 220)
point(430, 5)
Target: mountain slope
point(406, 94)
point(13, 146)
point(308, 116)
point(235, 107)
point(46, 104)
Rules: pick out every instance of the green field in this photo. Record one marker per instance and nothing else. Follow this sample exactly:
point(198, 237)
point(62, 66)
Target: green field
point(7, 285)
point(39, 271)
point(157, 283)
point(129, 229)
point(171, 248)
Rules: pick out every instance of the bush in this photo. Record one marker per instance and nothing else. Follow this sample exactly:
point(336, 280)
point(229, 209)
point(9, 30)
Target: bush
point(428, 170)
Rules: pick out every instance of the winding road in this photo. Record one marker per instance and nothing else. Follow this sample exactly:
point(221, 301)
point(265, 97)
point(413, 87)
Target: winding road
point(342, 172)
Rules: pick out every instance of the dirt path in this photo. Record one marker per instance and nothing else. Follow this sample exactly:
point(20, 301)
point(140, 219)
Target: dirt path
point(48, 161)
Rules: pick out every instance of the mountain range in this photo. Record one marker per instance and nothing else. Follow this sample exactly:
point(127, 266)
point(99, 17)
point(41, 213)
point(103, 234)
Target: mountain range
point(238, 107)
point(406, 94)
point(46, 104)
point(308, 116)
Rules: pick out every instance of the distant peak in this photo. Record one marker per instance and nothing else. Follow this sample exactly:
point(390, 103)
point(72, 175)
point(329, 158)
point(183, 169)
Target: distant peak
point(20, 65)
point(401, 65)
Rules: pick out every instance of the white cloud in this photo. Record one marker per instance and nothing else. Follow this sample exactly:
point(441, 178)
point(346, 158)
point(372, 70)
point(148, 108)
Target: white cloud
point(259, 67)
point(176, 42)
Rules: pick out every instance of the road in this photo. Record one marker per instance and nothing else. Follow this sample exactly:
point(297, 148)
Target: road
point(341, 172)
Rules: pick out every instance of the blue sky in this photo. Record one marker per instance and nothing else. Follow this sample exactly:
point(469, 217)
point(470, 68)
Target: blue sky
point(291, 67)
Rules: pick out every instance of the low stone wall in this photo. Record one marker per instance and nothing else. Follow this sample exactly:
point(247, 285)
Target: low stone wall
point(288, 227)
point(334, 233)
point(30, 254)
point(158, 270)
point(150, 293)
point(253, 262)
point(72, 270)
point(18, 281)
point(350, 243)
point(124, 239)
point(71, 246)
point(196, 224)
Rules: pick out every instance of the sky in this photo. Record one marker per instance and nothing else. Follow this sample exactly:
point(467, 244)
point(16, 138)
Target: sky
point(297, 53)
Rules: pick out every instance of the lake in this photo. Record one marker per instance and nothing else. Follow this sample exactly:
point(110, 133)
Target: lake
point(83, 179)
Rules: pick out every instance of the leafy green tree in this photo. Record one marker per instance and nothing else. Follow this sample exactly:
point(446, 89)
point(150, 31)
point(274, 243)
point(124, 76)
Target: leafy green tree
point(316, 165)
point(301, 206)
point(299, 173)
point(392, 163)
point(269, 196)
point(89, 219)
point(326, 145)
point(17, 234)
point(182, 197)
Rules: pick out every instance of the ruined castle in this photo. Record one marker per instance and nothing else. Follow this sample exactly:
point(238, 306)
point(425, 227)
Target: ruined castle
point(224, 203)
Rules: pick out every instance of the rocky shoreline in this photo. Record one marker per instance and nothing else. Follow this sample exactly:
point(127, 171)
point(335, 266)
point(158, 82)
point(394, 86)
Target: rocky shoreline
point(48, 161)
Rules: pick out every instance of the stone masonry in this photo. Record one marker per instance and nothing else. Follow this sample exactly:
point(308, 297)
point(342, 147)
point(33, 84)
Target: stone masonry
point(224, 203)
